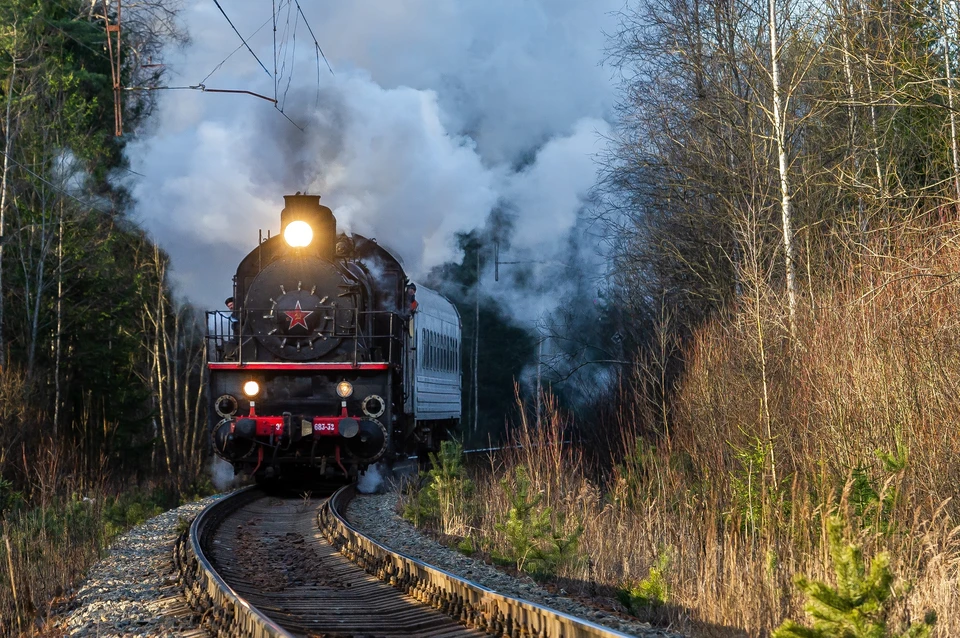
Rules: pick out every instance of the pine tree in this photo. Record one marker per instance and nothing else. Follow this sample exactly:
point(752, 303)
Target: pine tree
point(858, 606)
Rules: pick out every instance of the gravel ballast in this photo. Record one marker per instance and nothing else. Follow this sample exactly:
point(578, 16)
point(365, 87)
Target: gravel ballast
point(376, 516)
point(133, 592)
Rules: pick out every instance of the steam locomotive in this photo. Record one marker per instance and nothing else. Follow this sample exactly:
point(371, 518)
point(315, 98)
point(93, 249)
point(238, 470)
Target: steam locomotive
point(331, 359)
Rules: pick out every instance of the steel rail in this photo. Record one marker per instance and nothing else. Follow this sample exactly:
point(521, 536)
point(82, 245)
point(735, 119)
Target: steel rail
point(223, 611)
point(472, 604)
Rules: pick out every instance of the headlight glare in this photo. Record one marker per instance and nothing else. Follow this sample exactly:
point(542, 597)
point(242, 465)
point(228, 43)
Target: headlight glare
point(298, 234)
point(251, 389)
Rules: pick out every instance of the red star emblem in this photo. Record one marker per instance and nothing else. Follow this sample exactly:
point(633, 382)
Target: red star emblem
point(298, 317)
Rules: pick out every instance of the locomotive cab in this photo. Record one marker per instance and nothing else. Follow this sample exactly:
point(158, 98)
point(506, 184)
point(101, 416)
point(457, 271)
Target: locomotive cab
point(314, 372)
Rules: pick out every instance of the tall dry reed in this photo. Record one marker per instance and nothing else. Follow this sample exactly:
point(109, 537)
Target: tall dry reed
point(856, 411)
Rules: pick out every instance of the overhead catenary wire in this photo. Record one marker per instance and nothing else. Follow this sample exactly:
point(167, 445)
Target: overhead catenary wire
point(201, 86)
point(239, 46)
point(274, 5)
point(317, 44)
point(217, 2)
point(273, 76)
point(198, 87)
point(283, 55)
point(288, 118)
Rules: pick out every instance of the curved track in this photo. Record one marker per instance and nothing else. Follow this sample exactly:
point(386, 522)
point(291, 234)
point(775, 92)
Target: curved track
point(257, 565)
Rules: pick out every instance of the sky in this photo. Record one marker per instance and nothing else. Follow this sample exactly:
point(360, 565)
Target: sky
point(437, 113)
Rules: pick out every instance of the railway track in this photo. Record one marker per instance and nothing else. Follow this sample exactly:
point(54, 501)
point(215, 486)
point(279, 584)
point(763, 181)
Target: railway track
point(257, 565)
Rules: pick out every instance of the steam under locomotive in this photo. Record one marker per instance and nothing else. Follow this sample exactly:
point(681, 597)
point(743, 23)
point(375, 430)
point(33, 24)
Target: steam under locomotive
point(331, 359)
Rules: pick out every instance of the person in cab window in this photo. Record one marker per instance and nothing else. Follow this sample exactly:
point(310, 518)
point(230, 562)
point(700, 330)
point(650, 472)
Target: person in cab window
point(234, 319)
point(411, 298)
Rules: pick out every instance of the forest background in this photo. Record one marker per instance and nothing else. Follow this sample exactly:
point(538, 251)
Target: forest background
point(778, 334)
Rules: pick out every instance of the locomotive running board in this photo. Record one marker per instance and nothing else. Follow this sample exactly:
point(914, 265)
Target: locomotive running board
point(319, 366)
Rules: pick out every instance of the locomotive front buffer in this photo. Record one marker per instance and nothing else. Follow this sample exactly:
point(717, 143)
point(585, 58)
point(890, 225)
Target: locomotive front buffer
point(311, 417)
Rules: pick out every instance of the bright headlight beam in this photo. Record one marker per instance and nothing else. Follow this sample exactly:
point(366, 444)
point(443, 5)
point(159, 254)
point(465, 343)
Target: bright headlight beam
point(298, 234)
point(251, 388)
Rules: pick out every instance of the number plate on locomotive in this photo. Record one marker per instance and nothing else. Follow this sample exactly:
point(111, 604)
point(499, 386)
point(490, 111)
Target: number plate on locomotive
point(325, 427)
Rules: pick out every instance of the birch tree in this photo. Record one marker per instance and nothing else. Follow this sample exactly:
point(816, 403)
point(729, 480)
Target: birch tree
point(8, 134)
point(945, 22)
point(783, 165)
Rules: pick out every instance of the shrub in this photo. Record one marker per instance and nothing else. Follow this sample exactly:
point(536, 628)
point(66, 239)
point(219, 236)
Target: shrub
point(860, 603)
point(442, 496)
point(534, 543)
point(651, 591)
point(748, 485)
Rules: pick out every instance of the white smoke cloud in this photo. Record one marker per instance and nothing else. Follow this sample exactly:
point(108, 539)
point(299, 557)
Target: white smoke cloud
point(372, 480)
point(439, 112)
point(222, 474)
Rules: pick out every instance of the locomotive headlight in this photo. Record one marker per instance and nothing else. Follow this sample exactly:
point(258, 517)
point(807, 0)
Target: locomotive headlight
point(251, 389)
point(344, 389)
point(298, 234)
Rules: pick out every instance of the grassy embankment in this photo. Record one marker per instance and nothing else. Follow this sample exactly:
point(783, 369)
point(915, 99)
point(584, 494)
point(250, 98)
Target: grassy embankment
point(705, 526)
point(54, 532)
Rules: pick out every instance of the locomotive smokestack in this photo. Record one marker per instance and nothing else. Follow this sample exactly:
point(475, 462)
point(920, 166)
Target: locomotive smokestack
point(307, 208)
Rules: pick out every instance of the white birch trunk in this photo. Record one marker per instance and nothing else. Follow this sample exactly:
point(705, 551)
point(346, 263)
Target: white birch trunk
point(875, 138)
point(56, 354)
point(953, 117)
point(851, 112)
point(786, 203)
point(7, 145)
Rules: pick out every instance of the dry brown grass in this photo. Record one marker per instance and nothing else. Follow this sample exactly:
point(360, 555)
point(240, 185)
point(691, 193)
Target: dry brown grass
point(862, 406)
point(50, 536)
point(56, 527)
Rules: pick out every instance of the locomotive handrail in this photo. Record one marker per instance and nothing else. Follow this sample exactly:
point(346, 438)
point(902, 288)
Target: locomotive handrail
point(226, 336)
